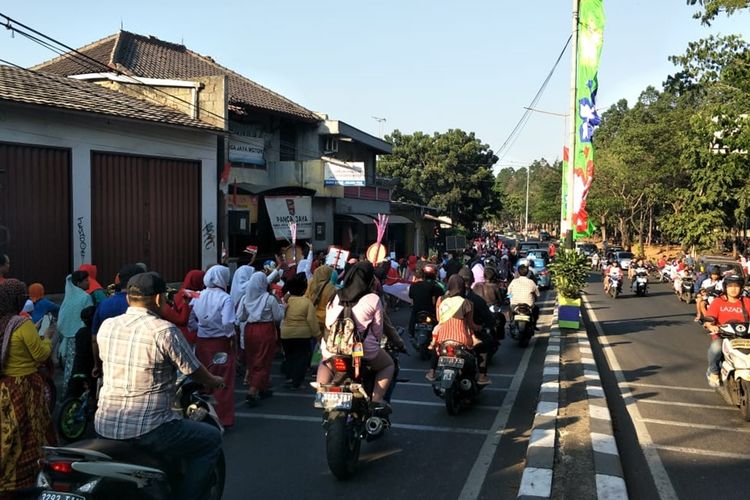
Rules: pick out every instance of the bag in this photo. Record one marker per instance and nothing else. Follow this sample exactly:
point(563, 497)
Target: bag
point(342, 335)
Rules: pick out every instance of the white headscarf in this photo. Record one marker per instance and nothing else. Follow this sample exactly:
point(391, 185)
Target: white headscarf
point(239, 282)
point(217, 277)
point(256, 296)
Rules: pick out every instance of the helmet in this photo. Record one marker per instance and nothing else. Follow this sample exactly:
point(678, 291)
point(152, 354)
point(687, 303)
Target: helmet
point(429, 271)
point(716, 270)
point(269, 265)
point(734, 279)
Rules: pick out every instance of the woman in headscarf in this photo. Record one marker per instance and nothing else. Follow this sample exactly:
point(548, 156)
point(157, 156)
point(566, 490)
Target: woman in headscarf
point(179, 311)
point(42, 305)
point(95, 289)
point(262, 313)
point(69, 320)
point(367, 313)
point(299, 328)
point(212, 316)
point(320, 290)
point(455, 323)
point(25, 421)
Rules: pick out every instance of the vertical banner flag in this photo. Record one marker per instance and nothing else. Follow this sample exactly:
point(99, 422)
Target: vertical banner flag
point(590, 38)
point(565, 193)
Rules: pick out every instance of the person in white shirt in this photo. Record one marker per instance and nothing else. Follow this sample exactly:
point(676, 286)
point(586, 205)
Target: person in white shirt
point(614, 271)
point(523, 290)
point(709, 285)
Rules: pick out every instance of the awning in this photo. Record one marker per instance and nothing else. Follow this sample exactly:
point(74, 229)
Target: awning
point(364, 219)
point(399, 219)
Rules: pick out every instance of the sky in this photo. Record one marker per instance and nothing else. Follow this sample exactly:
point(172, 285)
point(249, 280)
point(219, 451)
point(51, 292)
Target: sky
point(423, 65)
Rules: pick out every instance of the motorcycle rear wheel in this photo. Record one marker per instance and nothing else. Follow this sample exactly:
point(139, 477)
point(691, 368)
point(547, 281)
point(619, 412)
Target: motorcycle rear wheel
point(452, 401)
point(342, 448)
point(72, 419)
point(216, 488)
point(744, 397)
point(615, 292)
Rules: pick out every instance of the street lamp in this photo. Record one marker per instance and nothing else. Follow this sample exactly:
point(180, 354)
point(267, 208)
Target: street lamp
point(380, 121)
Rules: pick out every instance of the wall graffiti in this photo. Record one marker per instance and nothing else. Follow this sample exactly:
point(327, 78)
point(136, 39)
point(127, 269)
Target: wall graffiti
point(209, 236)
point(82, 245)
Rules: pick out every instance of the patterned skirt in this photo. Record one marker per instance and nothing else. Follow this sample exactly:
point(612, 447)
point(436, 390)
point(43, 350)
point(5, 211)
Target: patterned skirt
point(25, 426)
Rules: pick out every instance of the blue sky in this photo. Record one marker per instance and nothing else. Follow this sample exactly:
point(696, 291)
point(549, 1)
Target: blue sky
point(422, 65)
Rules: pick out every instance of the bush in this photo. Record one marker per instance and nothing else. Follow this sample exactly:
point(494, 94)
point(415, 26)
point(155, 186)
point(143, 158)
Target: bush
point(570, 271)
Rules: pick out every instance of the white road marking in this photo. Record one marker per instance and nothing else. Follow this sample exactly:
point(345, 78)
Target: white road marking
point(604, 443)
point(661, 479)
point(600, 412)
point(610, 487)
point(318, 420)
point(474, 482)
point(707, 453)
point(688, 405)
point(676, 423)
point(536, 483)
point(542, 437)
point(672, 387)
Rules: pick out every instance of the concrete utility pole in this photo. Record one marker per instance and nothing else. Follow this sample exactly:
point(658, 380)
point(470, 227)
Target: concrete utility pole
point(567, 224)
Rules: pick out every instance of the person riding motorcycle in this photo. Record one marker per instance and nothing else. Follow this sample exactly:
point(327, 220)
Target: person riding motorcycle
point(493, 297)
point(424, 294)
point(141, 354)
point(728, 308)
point(523, 290)
point(614, 271)
point(709, 285)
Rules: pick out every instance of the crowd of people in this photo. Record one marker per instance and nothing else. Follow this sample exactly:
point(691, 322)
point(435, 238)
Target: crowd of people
point(137, 335)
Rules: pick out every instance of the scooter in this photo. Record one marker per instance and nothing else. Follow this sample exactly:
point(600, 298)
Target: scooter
point(735, 369)
point(423, 333)
point(521, 324)
point(687, 286)
point(114, 469)
point(456, 376)
point(641, 281)
point(615, 286)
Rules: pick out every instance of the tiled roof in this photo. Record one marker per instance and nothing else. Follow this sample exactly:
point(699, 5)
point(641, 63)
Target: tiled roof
point(149, 57)
point(33, 87)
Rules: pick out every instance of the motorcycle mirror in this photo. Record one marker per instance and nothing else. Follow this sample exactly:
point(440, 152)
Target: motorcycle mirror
point(220, 358)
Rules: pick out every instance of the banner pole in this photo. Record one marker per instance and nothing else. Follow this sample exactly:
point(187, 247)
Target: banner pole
point(570, 173)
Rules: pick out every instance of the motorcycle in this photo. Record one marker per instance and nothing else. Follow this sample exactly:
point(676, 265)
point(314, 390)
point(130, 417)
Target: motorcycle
point(615, 286)
point(349, 415)
point(641, 281)
point(76, 412)
point(116, 469)
point(456, 376)
point(735, 368)
point(687, 286)
point(423, 334)
point(665, 275)
point(521, 324)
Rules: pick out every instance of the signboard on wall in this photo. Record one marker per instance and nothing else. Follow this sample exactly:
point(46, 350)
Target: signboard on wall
point(343, 173)
point(285, 209)
point(246, 150)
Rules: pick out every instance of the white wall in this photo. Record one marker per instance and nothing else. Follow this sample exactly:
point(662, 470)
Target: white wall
point(83, 133)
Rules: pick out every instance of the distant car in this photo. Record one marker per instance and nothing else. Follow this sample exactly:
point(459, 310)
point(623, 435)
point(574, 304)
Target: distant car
point(525, 246)
point(537, 261)
point(544, 236)
point(624, 259)
point(587, 249)
point(726, 265)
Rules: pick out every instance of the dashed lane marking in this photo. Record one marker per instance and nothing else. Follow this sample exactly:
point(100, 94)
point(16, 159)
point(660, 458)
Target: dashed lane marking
point(675, 423)
point(708, 453)
point(671, 387)
point(687, 405)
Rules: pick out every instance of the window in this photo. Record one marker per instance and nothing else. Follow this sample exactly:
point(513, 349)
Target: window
point(287, 143)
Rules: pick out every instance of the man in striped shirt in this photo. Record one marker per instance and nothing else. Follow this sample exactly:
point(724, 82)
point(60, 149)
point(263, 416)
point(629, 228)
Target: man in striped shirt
point(141, 354)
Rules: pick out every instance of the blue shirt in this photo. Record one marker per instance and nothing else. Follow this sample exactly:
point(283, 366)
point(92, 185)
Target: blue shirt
point(42, 307)
point(109, 308)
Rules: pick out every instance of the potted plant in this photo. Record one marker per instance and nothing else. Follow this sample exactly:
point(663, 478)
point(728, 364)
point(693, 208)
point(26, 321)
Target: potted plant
point(570, 271)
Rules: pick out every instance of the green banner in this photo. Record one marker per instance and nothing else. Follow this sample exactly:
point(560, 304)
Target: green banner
point(590, 38)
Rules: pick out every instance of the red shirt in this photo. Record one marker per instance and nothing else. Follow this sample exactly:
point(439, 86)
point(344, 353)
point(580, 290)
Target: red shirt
point(728, 312)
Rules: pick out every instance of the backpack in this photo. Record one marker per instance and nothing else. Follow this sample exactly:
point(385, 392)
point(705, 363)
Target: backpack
point(342, 334)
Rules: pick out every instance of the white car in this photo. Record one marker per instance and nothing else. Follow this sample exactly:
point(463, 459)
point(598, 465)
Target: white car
point(624, 259)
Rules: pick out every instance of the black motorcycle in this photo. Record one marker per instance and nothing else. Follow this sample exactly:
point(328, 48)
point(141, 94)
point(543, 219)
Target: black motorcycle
point(115, 469)
point(521, 324)
point(349, 414)
point(687, 289)
point(456, 376)
point(423, 333)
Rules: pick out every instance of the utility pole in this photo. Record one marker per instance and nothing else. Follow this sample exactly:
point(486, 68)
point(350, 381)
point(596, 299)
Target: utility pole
point(567, 224)
point(380, 125)
point(526, 224)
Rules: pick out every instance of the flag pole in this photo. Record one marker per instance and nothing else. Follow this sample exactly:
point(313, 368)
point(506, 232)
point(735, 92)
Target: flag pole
point(570, 173)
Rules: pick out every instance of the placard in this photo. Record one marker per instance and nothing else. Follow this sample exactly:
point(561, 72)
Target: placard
point(285, 209)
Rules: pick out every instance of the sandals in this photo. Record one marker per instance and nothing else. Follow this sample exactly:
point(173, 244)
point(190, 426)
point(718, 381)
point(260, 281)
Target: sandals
point(430, 377)
point(486, 381)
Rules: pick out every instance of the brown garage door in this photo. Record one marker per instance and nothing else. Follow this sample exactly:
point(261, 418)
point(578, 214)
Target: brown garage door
point(145, 210)
point(35, 213)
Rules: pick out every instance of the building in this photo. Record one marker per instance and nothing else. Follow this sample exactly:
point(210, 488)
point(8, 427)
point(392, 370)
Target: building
point(88, 174)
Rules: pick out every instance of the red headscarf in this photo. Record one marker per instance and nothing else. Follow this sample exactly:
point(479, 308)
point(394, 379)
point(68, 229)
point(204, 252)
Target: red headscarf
point(93, 284)
point(193, 281)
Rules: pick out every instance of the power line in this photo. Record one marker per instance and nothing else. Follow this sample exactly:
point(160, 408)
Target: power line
point(525, 117)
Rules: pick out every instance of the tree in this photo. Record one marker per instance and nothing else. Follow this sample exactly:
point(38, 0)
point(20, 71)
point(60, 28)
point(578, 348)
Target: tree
point(712, 8)
point(451, 171)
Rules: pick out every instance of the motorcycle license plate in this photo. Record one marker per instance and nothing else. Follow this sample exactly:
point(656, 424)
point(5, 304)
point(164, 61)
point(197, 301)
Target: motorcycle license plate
point(450, 362)
point(56, 495)
point(334, 400)
point(521, 317)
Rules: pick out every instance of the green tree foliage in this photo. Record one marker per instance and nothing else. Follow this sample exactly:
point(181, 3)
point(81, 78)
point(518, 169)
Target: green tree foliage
point(712, 8)
point(544, 194)
point(450, 171)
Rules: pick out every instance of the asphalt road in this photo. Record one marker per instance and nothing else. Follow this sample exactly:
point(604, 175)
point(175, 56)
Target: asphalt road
point(277, 450)
point(677, 437)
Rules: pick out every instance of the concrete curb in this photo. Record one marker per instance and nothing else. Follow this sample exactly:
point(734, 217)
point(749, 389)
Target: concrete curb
point(536, 481)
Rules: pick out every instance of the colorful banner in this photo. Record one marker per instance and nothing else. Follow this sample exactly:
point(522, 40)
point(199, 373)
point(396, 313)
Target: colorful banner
point(590, 38)
point(564, 197)
point(284, 210)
